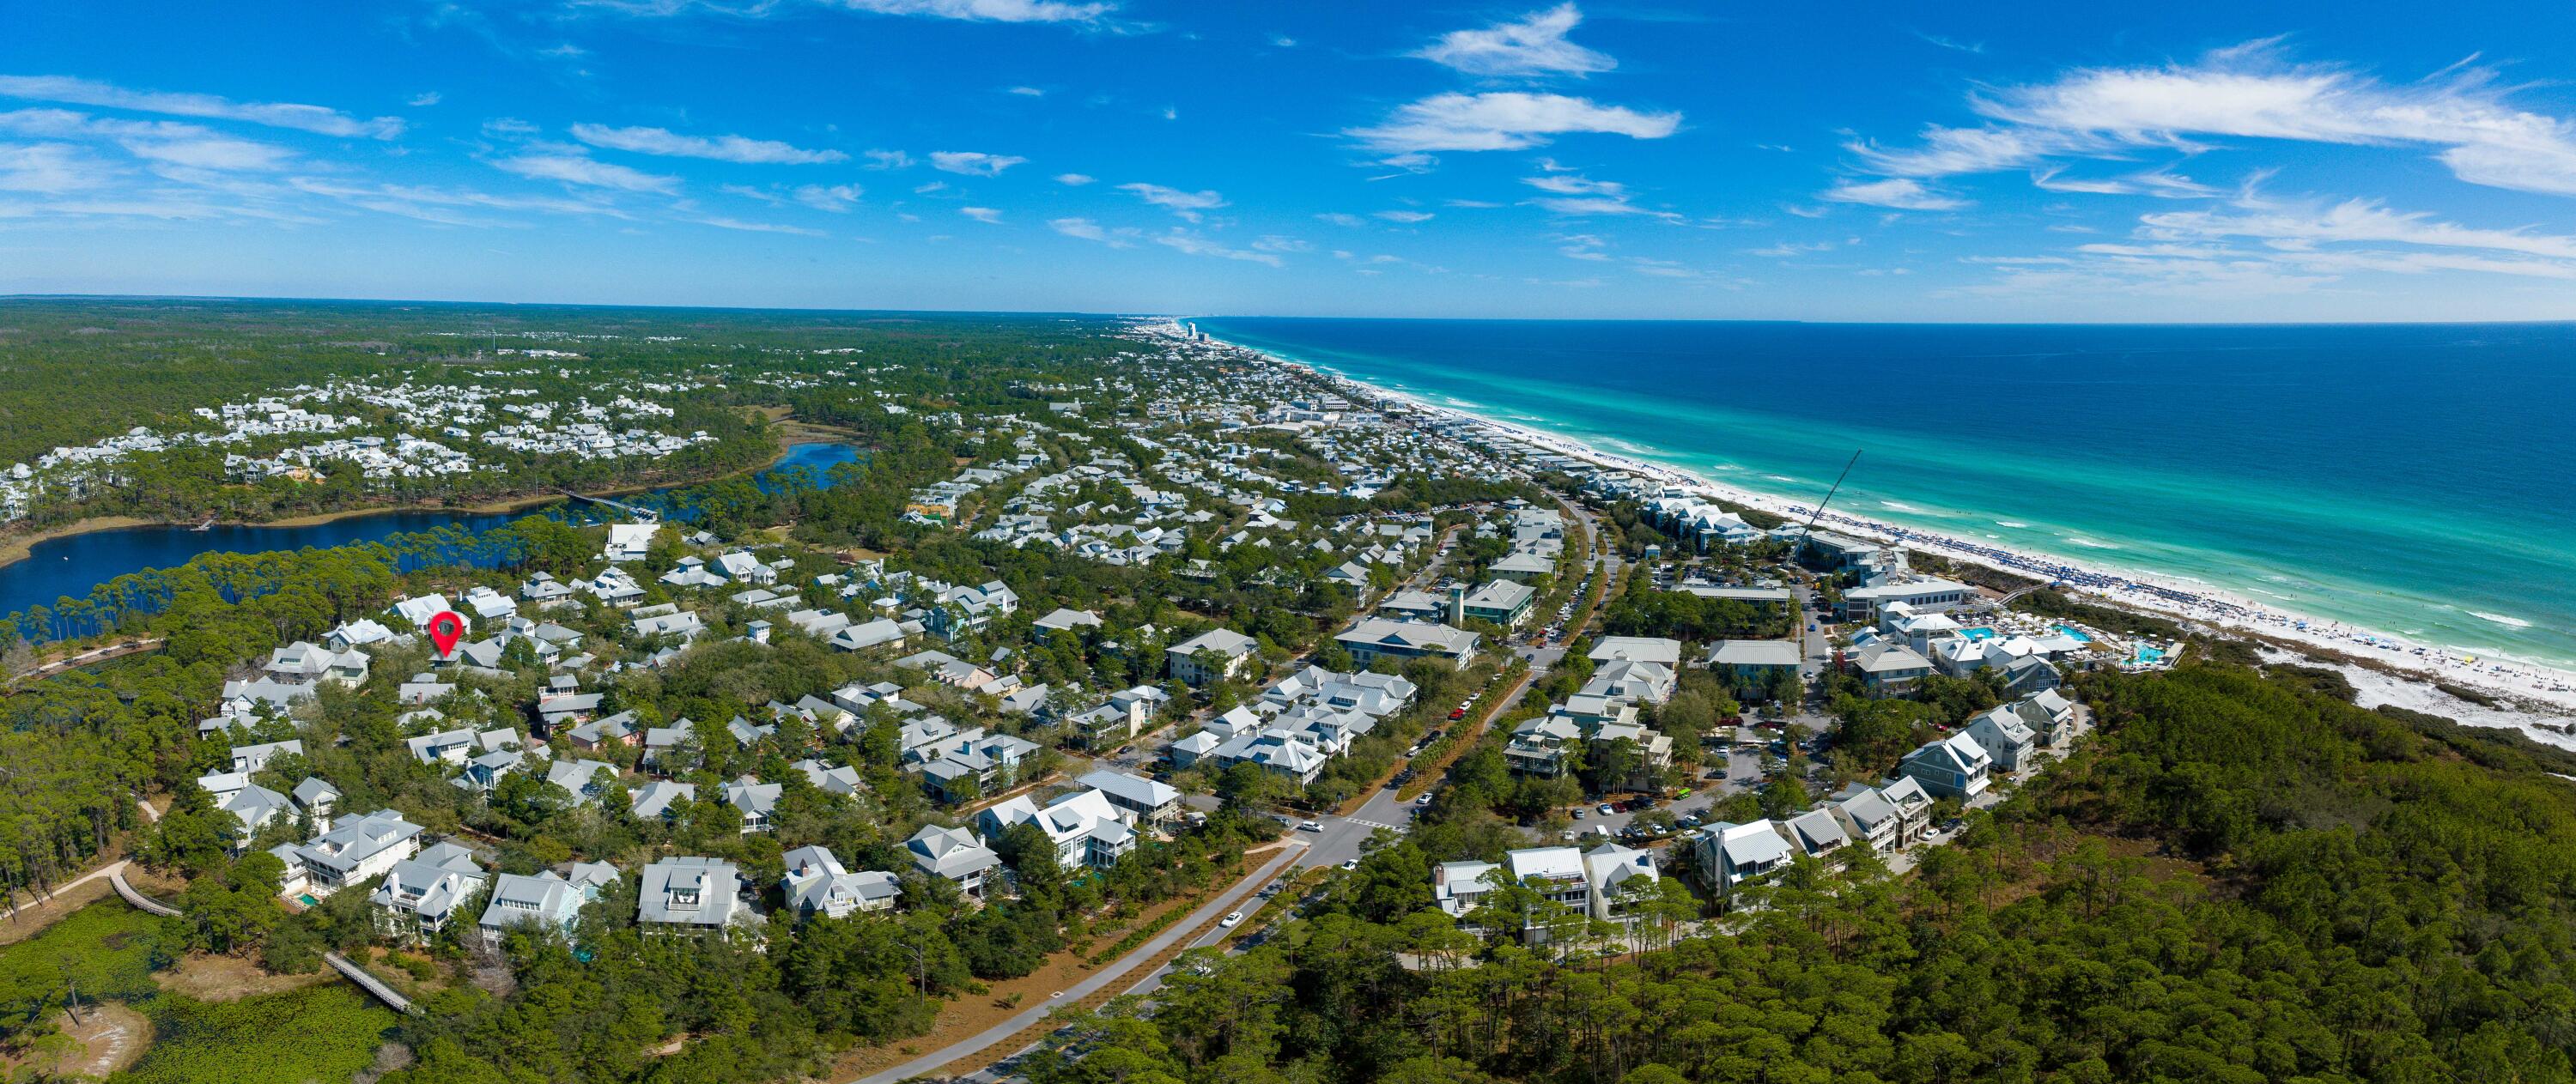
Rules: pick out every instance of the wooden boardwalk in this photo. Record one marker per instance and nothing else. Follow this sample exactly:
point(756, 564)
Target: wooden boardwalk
point(374, 986)
point(141, 902)
point(369, 983)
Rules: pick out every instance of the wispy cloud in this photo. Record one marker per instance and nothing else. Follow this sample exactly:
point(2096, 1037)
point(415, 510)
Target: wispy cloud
point(1534, 45)
point(1901, 193)
point(174, 142)
point(1089, 230)
point(1074, 180)
point(836, 198)
point(996, 11)
point(725, 223)
point(1338, 218)
point(577, 169)
point(723, 148)
point(1195, 244)
point(888, 160)
point(1406, 217)
point(1505, 121)
point(986, 215)
point(424, 99)
point(307, 118)
point(1185, 204)
point(1025, 92)
point(1576, 195)
point(973, 163)
point(2249, 91)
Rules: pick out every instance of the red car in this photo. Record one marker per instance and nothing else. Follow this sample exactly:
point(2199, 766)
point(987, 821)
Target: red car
point(1457, 713)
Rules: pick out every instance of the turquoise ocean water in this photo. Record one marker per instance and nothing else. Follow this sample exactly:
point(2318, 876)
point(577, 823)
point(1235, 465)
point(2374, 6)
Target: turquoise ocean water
point(2410, 479)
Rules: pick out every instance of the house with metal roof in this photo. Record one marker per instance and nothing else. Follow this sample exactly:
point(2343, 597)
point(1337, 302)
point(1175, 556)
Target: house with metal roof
point(954, 854)
point(690, 894)
point(817, 884)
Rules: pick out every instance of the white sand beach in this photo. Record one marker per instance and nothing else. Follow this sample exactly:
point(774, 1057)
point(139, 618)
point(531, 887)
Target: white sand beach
point(2546, 695)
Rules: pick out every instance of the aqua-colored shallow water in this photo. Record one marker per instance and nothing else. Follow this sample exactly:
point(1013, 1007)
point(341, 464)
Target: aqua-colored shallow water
point(2402, 478)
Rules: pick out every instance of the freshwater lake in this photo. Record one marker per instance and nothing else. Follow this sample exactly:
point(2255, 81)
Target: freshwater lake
point(72, 565)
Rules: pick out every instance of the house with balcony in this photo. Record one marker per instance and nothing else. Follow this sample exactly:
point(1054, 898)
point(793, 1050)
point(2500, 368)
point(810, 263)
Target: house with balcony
point(817, 884)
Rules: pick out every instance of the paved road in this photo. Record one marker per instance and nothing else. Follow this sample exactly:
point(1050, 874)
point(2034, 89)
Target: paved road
point(1228, 900)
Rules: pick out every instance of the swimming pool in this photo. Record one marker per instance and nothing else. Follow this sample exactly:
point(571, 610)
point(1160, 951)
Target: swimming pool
point(2074, 635)
point(1978, 633)
point(2148, 655)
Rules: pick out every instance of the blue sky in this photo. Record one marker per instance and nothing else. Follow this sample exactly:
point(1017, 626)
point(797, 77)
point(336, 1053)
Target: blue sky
point(2287, 161)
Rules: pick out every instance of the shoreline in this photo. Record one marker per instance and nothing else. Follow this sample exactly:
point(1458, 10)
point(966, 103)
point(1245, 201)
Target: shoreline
point(2538, 687)
point(16, 549)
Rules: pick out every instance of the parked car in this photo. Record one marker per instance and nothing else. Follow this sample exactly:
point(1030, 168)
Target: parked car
point(1578, 812)
point(1350, 863)
point(1608, 809)
point(1310, 826)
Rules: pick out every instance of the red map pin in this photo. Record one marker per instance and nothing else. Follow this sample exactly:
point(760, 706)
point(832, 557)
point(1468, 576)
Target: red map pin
point(444, 630)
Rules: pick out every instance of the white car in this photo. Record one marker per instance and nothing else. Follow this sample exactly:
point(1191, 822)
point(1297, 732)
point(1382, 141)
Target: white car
point(1350, 863)
point(1231, 919)
point(1311, 826)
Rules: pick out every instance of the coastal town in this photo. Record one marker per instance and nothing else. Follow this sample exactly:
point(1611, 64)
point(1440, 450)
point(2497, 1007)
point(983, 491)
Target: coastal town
point(1127, 662)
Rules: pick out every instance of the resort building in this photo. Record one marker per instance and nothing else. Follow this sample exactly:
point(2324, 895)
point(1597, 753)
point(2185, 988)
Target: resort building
point(1375, 638)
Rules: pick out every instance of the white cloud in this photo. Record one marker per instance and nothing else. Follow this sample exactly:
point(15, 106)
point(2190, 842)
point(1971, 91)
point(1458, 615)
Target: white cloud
point(1406, 217)
point(1337, 218)
point(1185, 204)
point(1902, 193)
point(1506, 121)
point(50, 169)
point(834, 198)
point(888, 160)
point(973, 163)
point(995, 11)
point(2349, 222)
point(425, 99)
point(1470, 204)
point(1575, 195)
point(188, 145)
point(1583, 246)
point(306, 118)
point(1535, 45)
point(508, 128)
point(1786, 249)
point(1185, 241)
point(723, 223)
point(1074, 180)
point(1025, 92)
point(575, 169)
point(723, 148)
point(1088, 230)
point(986, 215)
point(2252, 92)
point(1271, 242)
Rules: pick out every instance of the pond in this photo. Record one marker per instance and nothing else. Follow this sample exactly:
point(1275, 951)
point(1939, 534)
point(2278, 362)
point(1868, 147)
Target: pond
point(74, 564)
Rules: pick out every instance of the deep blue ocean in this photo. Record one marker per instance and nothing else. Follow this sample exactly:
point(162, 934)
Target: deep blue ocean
point(71, 565)
point(2409, 479)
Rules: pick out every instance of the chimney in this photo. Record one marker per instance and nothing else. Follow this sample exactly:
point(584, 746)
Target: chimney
point(1457, 605)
